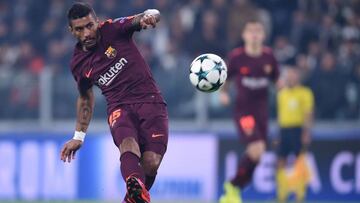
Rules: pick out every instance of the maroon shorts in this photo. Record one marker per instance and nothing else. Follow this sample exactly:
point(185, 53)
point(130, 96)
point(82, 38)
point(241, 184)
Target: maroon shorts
point(251, 127)
point(146, 122)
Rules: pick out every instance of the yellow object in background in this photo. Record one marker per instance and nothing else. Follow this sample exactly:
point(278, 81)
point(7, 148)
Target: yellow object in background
point(293, 104)
point(295, 181)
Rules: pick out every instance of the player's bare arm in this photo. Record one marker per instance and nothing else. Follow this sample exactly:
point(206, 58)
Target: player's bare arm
point(85, 106)
point(147, 19)
point(308, 123)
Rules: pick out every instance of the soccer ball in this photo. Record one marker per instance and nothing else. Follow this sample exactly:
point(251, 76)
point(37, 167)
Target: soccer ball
point(208, 72)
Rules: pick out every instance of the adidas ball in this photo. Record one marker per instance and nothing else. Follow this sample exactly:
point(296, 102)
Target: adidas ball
point(208, 72)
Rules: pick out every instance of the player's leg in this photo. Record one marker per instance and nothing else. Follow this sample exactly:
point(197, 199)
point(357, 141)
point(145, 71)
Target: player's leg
point(248, 163)
point(150, 162)
point(123, 126)
point(301, 170)
point(154, 138)
point(283, 151)
point(253, 134)
point(132, 172)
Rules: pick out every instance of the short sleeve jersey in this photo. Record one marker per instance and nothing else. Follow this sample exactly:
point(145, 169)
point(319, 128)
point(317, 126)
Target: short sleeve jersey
point(252, 76)
point(293, 104)
point(116, 66)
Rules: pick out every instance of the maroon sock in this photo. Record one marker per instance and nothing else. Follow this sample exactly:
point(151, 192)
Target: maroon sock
point(149, 181)
point(130, 166)
point(245, 171)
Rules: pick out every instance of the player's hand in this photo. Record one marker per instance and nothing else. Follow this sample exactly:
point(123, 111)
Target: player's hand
point(69, 150)
point(306, 138)
point(224, 98)
point(148, 21)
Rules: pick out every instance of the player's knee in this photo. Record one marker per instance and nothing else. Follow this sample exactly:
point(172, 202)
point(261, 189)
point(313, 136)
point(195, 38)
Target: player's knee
point(256, 149)
point(129, 144)
point(151, 162)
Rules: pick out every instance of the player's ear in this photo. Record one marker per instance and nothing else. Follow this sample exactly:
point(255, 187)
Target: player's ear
point(70, 28)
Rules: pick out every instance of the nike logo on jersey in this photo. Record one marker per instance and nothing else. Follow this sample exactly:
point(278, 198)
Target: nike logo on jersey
point(87, 74)
point(157, 135)
point(110, 75)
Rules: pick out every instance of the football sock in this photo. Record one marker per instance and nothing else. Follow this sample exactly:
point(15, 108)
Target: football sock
point(149, 181)
point(302, 176)
point(245, 171)
point(281, 179)
point(130, 166)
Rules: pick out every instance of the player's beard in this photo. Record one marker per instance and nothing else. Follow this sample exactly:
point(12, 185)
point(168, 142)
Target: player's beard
point(90, 42)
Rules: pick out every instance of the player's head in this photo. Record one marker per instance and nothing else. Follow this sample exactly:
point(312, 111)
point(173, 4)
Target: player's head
point(254, 33)
point(292, 76)
point(83, 24)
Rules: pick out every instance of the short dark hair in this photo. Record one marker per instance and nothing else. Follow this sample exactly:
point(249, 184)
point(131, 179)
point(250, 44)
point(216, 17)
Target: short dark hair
point(253, 20)
point(79, 10)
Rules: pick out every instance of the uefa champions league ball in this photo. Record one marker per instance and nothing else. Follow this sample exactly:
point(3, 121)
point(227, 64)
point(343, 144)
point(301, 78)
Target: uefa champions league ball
point(208, 72)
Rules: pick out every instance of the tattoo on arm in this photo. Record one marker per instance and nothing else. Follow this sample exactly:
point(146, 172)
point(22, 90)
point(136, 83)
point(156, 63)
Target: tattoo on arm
point(136, 21)
point(85, 105)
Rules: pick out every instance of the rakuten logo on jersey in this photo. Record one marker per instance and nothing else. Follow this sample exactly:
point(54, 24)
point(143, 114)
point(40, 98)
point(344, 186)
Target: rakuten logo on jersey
point(110, 75)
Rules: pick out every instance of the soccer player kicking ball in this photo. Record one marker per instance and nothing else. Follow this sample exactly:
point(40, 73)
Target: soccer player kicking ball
point(106, 56)
point(253, 68)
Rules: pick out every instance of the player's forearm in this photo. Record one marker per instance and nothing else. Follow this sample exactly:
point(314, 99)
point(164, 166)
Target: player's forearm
point(153, 12)
point(85, 108)
point(308, 123)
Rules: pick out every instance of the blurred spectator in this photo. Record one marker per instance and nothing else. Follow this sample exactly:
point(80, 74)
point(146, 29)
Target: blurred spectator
point(313, 54)
point(329, 33)
point(328, 85)
point(240, 12)
point(283, 50)
point(208, 40)
point(34, 35)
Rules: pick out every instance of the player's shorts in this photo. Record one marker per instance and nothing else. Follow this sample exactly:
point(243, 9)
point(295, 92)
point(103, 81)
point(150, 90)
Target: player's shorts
point(251, 127)
point(146, 122)
point(290, 142)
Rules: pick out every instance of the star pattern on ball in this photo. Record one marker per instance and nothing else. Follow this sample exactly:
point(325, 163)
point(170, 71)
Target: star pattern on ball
point(202, 58)
point(202, 74)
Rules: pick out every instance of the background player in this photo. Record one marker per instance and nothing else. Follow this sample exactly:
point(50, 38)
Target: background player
point(107, 57)
point(252, 68)
point(295, 104)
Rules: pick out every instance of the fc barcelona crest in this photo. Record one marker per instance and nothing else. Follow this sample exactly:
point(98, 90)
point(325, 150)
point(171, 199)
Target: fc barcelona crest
point(110, 52)
point(268, 69)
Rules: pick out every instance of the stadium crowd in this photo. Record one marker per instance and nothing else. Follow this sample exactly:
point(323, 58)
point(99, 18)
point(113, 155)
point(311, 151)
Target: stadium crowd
point(321, 37)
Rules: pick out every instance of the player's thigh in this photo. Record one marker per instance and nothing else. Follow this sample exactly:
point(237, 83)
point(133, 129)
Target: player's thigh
point(123, 126)
point(251, 128)
point(154, 128)
point(284, 146)
point(296, 141)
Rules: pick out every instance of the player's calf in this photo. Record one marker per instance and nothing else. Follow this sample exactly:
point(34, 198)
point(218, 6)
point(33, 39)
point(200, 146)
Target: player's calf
point(150, 163)
point(255, 150)
point(248, 163)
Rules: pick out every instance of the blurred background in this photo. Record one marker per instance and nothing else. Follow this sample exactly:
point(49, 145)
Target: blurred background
point(38, 93)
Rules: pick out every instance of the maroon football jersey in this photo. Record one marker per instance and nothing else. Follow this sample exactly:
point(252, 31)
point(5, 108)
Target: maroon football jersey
point(252, 76)
point(116, 66)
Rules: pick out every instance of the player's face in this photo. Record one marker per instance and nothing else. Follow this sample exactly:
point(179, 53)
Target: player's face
point(254, 33)
point(85, 30)
point(292, 77)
